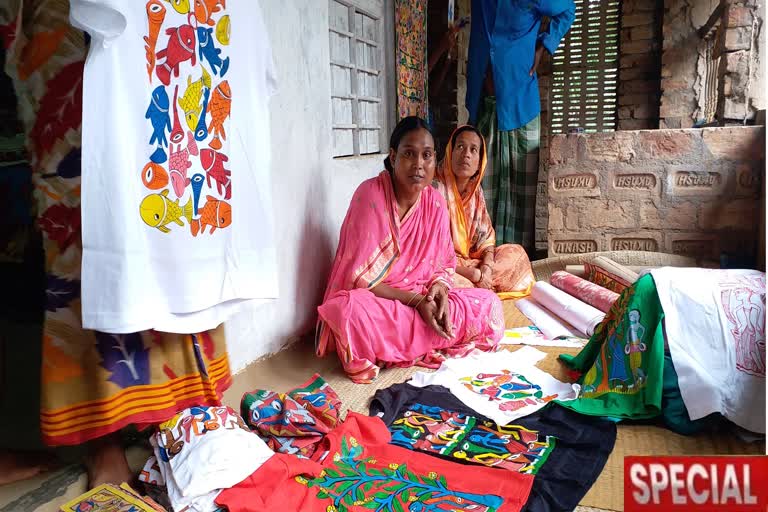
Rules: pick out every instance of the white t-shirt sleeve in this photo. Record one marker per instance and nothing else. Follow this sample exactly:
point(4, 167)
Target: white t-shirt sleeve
point(102, 19)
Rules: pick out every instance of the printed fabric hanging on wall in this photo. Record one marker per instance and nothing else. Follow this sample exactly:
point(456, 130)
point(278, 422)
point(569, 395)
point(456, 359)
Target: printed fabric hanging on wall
point(411, 33)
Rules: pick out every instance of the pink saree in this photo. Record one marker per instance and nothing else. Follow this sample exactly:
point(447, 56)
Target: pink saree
point(376, 247)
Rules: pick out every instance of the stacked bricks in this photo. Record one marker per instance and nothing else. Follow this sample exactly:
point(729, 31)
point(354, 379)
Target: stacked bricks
point(689, 192)
point(640, 64)
point(740, 80)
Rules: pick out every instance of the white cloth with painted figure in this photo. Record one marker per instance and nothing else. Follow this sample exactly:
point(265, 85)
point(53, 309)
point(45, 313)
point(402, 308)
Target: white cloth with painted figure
point(502, 386)
point(715, 326)
point(176, 191)
point(203, 450)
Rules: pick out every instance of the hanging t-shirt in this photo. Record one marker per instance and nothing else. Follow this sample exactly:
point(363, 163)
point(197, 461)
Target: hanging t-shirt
point(176, 201)
point(501, 385)
point(715, 326)
point(202, 450)
point(565, 451)
point(358, 470)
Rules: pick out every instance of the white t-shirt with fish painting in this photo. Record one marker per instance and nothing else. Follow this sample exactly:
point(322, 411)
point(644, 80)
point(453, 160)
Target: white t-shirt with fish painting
point(176, 200)
point(502, 386)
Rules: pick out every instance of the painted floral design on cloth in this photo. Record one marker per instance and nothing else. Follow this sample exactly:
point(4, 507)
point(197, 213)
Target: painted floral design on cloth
point(357, 480)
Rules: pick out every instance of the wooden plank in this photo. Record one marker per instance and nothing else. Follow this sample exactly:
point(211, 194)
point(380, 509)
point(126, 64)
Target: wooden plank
point(716, 16)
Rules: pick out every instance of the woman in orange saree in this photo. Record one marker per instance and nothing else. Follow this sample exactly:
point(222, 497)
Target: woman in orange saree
point(505, 269)
point(390, 300)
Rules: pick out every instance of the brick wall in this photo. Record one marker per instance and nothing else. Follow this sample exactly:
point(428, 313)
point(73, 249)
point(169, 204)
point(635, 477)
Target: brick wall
point(693, 192)
point(640, 64)
point(740, 76)
point(684, 63)
point(638, 95)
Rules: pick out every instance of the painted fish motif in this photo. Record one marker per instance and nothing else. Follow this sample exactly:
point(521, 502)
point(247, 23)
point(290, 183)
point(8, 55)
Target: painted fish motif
point(213, 163)
point(190, 101)
point(155, 18)
point(154, 176)
point(215, 213)
point(221, 105)
point(203, 10)
point(207, 51)
point(222, 30)
point(157, 113)
point(201, 131)
point(177, 134)
point(181, 48)
point(197, 187)
point(158, 211)
point(180, 6)
point(179, 163)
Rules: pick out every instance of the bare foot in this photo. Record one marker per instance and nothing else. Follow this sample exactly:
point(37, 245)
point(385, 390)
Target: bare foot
point(15, 466)
point(106, 462)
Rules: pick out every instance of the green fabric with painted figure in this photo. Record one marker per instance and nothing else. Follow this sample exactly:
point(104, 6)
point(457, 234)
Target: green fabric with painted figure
point(622, 365)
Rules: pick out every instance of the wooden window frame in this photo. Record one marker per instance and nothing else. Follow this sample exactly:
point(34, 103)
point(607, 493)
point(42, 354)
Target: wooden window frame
point(383, 41)
point(584, 88)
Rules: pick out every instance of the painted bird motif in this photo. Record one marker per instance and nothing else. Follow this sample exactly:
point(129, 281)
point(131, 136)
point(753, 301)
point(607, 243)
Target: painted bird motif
point(157, 113)
point(190, 101)
point(181, 48)
point(158, 211)
point(178, 164)
point(213, 163)
point(155, 18)
point(220, 107)
point(215, 213)
point(203, 10)
point(207, 51)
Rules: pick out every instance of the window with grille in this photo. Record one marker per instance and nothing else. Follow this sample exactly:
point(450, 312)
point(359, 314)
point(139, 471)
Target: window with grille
point(585, 70)
point(357, 64)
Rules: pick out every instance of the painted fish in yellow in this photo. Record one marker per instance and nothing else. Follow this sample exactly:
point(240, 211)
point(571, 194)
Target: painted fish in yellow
point(180, 6)
point(190, 101)
point(157, 211)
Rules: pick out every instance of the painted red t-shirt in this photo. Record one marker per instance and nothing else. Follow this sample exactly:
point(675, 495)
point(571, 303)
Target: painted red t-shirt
point(356, 469)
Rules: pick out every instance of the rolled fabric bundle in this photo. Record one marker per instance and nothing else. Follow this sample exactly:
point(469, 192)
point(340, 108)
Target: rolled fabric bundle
point(577, 313)
point(549, 324)
point(577, 270)
point(591, 293)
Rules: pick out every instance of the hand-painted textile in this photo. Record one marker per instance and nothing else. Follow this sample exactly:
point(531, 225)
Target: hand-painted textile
point(93, 383)
point(296, 421)
point(565, 451)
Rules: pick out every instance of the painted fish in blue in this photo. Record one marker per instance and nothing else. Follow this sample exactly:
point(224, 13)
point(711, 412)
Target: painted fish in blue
point(159, 117)
point(201, 132)
point(197, 187)
point(208, 51)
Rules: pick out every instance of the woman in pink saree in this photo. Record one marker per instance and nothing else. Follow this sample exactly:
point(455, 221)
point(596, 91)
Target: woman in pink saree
point(389, 300)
